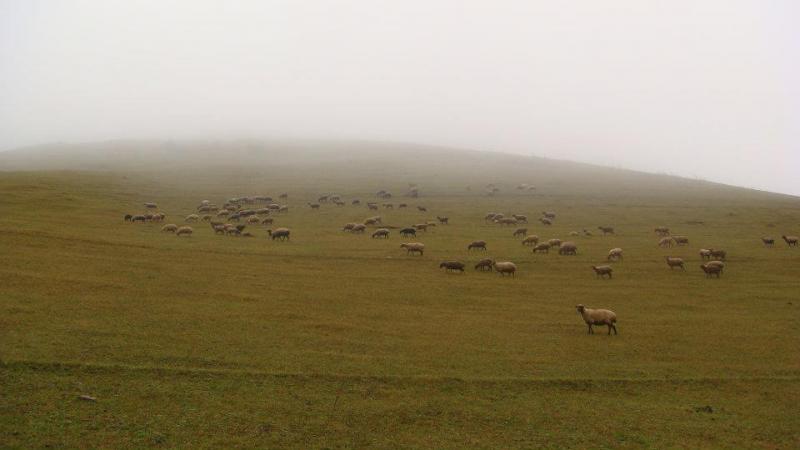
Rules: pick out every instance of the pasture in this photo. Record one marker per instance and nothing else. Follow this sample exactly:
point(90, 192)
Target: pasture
point(335, 340)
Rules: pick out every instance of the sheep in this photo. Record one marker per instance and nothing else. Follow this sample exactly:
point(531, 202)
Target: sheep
point(574, 233)
point(223, 213)
point(719, 254)
point(372, 206)
point(606, 230)
point(598, 317)
point(402, 205)
point(348, 227)
point(253, 219)
point(241, 227)
point(452, 266)
point(791, 241)
point(554, 242)
point(545, 221)
point(768, 241)
point(490, 216)
point(431, 223)
point(322, 199)
point(184, 230)
point(218, 228)
point(381, 233)
point(205, 218)
point(128, 217)
point(705, 253)
point(674, 262)
point(444, 220)
point(711, 269)
point(138, 218)
point(283, 209)
point(601, 271)
point(355, 202)
point(615, 254)
point(549, 215)
point(283, 196)
point(150, 205)
point(520, 232)
point(505, 268)
point(681, 240)
point(359, 228)
point(279, 233)
point(542, 248)
point(484, 264)
point(662, 231)
point(267, 221)
point(388, 205)
point(413, 247)
point(406, 232)
point(530, 240)
point(170, 228)
point(666, 242)
point(568, 248)
point(314, 205)
point(191, 218)
point(421, 227)
point(422, 208)
point(478, 245)
point(506, 221)
point(520, 218)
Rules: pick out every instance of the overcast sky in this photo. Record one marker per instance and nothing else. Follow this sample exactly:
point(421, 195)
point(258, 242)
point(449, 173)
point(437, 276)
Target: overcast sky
point(700, 88)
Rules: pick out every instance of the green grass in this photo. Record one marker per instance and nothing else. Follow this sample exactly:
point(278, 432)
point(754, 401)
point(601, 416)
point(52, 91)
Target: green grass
point(335, 340)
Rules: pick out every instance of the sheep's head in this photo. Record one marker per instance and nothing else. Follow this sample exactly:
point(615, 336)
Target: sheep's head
point(580, 308)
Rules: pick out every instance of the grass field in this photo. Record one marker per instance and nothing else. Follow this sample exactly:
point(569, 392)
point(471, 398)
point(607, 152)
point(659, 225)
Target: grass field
point(336, 340)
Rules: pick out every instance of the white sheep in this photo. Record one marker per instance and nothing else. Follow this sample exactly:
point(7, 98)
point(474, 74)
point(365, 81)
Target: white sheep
point(598, 317)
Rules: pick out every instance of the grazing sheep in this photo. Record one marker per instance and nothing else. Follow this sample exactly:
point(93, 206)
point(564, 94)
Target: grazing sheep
point(452, 266)
point(666, 242)
point(372, 206)
point(554, 242)
point(381, 233)
point(705, 253)
point(138, 218)
point(681, 240)
point(253, 219)
point(574, 233)
point(490, 216)
point(791, 241)
point(413, 247)
point(598, 317)
point(546, 221)
point(421, 226)
point(506, 221)
point(711, 269)
point(218, 228)
point(530, 240)
point(568, 248)
point(675, 262)
point(662, 231)
point(505, 268)
point(615, 254)
point(549, 215)
point(192, 218)
point(184, 230)
point(601, 271)
point(170, 228)
point(406, 232)
point(606, 230)
point(520, 218)
point(768, 241)
point(348, 227)
point(151, 206)
point(279, 233)
point(422, 208)
point(359, 228)
point(267, 221)
point(719, 254)
point(484, 264)
point(444, 220)
point(478, 245)
point(542, 248)
point(520, 232)
point(128, 217)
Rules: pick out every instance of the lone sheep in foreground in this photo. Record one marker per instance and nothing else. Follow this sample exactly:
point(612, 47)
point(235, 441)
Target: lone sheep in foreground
point(477, 245)
point(170, 228)
point(505, 268)
point(484, 264)
point(615, 254)
point(790, 240)
point(413, 247)
point(454, 266)
point(601, 271)
point(184, 230)
point(598, 317)
point(675, 262)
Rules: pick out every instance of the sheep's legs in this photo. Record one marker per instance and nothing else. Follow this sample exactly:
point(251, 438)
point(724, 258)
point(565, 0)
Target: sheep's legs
point(590, 329)
point(610, 326)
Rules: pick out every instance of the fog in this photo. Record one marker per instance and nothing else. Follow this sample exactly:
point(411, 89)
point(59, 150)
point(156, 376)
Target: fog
point(699, 89)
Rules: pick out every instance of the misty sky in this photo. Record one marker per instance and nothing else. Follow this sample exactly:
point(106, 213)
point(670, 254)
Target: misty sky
point(705, 88)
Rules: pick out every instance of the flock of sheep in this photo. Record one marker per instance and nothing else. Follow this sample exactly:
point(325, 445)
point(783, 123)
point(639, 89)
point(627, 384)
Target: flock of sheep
point(245, 209)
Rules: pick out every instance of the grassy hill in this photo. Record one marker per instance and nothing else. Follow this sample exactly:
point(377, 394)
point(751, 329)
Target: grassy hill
point(339, 340)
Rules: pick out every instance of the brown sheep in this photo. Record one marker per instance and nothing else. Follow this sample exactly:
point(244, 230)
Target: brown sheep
point(169, 228)
point(520, 232)
point(711, 269)
point(542, 248)
point(768, 241)
point(606, 230)
point(478, 245)
point(359, 228)
point(530, 240)
point(705, 253)
point(675, 262)
point(568, 248)
point(554, 242)
point(421, 226)
point(666, 242)
point(454, 266)
point(381, 233)
point(184, 230)
point(444, 220)
point(413, 247)
point(615, 254)
point(681, 240)
point(545, 221)
point(280, 234)
point(719, 254)
point(791, 241)
point(505, 268)
point(484, 264)
point(598, 317)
